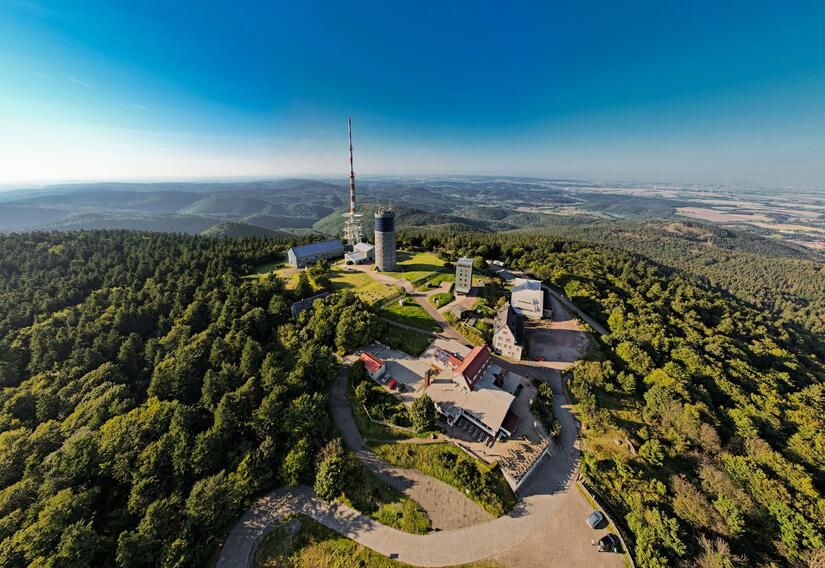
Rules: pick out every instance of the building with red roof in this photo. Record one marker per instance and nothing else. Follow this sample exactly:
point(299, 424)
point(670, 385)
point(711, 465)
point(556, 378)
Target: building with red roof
point(373, 365)
point(474, 366)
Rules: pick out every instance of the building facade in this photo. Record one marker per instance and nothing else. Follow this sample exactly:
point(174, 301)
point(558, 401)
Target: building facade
point(385, 258)
point(305, 255)
point(463, 275)
point(508, 334)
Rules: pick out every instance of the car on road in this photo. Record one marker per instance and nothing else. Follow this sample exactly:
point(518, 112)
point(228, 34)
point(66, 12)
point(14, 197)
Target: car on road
point(594, 519)
point(609, 543)
point(540, 359)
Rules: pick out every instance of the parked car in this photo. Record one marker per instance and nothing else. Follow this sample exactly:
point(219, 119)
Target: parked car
point(609, 543)
point(402, 387)
point(391, 384)
point(594, 519)
point(540, 359)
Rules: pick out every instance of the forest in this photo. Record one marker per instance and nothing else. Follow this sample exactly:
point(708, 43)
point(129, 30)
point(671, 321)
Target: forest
point(149, 394)
point(722, 404)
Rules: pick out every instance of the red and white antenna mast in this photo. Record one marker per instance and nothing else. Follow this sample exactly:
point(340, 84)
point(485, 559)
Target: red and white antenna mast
point(353, 230)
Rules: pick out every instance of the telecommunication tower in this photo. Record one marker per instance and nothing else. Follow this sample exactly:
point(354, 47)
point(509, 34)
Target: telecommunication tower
point(353, 221)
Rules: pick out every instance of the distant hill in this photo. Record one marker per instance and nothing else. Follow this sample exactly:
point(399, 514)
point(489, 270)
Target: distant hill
point(230, 206)
point(333, 224)
point(279, 221)
point(146, 202)
point(159, 223)
point(17, 217)
point(235, 229)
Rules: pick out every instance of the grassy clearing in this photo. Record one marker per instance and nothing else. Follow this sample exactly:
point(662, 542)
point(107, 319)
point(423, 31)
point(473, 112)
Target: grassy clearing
point(416, 266)
point(359, 282)
point(269, 267)
point(441, 299)
point(300, 542)
point(482, 483)
point(436, 281)
point(409, 342)
point(372, 497)
point(410, 314)
point(369, 429)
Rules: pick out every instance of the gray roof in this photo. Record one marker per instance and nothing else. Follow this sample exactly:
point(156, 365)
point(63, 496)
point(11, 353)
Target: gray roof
point(332, 245)
point(464, 261)
point(507, 316)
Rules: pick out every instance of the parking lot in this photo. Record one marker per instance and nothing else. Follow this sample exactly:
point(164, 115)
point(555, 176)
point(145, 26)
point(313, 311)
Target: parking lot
point(406, 370)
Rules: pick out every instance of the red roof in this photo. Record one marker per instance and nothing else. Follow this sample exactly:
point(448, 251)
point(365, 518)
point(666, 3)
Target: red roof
point(473, 363)
point(371, 362)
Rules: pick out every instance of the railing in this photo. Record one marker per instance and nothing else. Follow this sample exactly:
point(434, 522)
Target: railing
point(582, 482)
point(387, 424)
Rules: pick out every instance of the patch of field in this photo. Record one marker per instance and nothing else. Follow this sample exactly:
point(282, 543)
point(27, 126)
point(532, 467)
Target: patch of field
point(441, 299)
point(790, 227)
point(409, 342)
point(416, 266)
point(300, 542)
point(359, 282)
point(436, 281)
point(720, 216)
point(410, 313)
point(482, 483)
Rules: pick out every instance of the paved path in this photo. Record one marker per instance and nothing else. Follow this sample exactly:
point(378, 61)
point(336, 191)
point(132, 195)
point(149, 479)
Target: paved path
point(446, 506)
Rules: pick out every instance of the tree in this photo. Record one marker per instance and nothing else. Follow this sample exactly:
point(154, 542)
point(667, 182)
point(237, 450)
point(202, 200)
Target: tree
point(652, 452)
point(297, 464)
point(423, 413)
point(332, 471)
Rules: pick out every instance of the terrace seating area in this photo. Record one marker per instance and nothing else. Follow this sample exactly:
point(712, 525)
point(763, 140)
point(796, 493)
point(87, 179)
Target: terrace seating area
point(520, 459)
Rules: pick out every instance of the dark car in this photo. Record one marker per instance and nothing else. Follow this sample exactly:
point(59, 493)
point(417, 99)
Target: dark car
point(609, 543)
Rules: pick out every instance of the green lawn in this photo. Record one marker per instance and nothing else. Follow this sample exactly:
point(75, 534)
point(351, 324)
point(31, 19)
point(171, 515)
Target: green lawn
point(269, 267)
point(436, 281)
point(300, 542)
point(482, 483)
point(441, 299)
point(359, 282)
point(414, 266)
point(410, 314)
point(409, 342)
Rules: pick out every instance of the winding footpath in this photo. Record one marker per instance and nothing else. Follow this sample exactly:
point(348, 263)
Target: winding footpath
point(546, 528)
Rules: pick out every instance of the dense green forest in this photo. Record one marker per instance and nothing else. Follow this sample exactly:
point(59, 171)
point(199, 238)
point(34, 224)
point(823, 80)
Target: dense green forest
point(787, 281)
point(149, 393)
point(724, 404)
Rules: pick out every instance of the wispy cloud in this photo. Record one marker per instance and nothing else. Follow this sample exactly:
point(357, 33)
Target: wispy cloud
point(79, 82)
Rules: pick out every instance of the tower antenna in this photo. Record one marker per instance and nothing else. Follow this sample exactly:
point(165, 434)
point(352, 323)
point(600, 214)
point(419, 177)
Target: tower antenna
point(353, 230)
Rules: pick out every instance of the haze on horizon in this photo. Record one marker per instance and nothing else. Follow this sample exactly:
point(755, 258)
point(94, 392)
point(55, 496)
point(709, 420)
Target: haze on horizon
point(655, 91)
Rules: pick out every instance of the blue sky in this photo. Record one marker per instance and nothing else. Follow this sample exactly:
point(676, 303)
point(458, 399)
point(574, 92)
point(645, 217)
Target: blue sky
point(659, 90)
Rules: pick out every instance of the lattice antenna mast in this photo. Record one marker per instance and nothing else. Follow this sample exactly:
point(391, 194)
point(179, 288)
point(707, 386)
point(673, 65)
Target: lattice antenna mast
point(353, 229)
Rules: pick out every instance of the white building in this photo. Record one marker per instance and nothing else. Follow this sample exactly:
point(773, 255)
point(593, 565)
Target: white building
point(527, 298)
point(361, 253)
point(463, 275)
point(508, 337)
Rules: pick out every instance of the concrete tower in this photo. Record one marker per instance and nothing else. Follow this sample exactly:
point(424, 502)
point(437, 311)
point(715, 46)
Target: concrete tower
point(385, 240)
